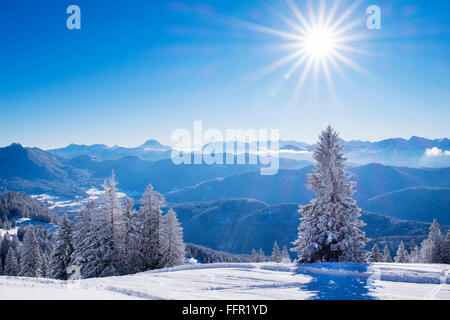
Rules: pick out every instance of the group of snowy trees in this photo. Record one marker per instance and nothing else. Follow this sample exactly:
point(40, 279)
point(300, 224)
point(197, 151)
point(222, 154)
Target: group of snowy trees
point(111, 238)
point(29, 258)
point(276, 256)
point(329, 228)
point(18, 204)
point(434, 249)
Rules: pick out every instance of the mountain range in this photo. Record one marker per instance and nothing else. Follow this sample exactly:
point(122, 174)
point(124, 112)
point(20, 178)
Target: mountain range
point(419, 194)
point(414, 152)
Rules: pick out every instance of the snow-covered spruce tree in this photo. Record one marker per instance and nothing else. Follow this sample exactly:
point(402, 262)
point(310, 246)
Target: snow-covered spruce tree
point(285, 257)
point(12, 267)
point(445, 252)
point(254, 256)
point(387, 254)
point(150, 215)
point(17, 246)
point(276, 254)
point(6, 225)
point(31, 260)
point(101, 256)
point(261, 255)
point(4, 247)
point(430, 251)
point(62, 251)
point(414, 252)
point(375, 255)
point(329, 228)
point(130, 255)
point(82, 234)
point(174, 249)
point(45, 266)
point(402, 255)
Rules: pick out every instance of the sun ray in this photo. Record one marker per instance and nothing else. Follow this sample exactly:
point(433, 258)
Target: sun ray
point(345, 15)
point(347, 27)
point(321, 15)
point(292, 24)
point(301, 81)
point(256, 27)
point(298, 64)
point(312, 16)
point(351, 64)
point(272, 67)
point(299, 15)
point(331, 14)
point(328, 79)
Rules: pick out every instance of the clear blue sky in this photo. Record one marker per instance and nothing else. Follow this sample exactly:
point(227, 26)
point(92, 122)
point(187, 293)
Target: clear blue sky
point(139, 69)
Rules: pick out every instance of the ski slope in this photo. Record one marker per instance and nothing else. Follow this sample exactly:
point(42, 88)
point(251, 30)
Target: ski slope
point(264, 281)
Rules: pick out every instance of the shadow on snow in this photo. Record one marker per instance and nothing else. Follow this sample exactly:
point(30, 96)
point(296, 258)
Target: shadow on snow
point(336, 281)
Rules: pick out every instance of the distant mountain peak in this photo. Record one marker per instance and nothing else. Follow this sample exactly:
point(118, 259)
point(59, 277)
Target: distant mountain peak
point(154, 145)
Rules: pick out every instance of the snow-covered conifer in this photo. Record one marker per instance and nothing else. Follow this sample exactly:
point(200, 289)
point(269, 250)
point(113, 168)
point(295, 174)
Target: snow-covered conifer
point(375, 255)
point(6, 225)
point(31, 260)
point(130, 256)
point(45, 265)
point(430, 251)
point(445, 252)
point(254, 256)
point(329, 228)
point(174, 249)
point(402, 255)
point(276, 254)
point(150, 214)
point(4, 248)
point(387, 254)
point(17, 246)
point(12, 267)
point(261, 256)
point(285, 257)
point(62, 251)
point(414, 252)
point(82, 234)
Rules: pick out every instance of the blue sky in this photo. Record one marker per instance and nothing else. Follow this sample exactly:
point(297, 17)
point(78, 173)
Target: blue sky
point(141, 69)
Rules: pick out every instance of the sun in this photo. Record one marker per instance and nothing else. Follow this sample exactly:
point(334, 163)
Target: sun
point(319, 43)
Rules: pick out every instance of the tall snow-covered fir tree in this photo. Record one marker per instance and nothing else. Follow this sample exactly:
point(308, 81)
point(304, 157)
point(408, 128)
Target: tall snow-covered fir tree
point(387, 254)
point(150, 215)
point(45, 265)
point(101, 259)
point(174, 249)
point(261, 255)
point(62, 251)
point(254, 256)
point(430, 250)
point(276, 254)
point(4, 248)
point(81, 236)
point(402, 255)
point(130, 255)
point(414, 255)
point(31, 260)
point(445, 252)
point(285, 257)
point(375, 255)
point(330, 224)
point(12, 267)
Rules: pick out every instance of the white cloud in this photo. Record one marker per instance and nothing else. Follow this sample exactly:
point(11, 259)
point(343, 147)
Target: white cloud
point(436, 152)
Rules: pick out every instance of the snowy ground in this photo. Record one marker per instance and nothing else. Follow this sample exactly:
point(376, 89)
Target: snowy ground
point(249, 281)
